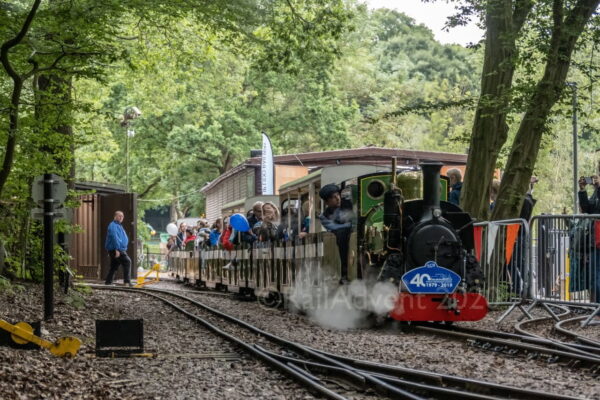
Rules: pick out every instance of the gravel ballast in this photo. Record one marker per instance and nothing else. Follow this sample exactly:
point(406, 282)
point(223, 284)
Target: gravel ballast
point(179, 372)
point(427, 352)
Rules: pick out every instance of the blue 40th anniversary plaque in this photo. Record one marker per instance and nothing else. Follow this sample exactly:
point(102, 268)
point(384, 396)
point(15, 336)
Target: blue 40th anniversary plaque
point(431, 279)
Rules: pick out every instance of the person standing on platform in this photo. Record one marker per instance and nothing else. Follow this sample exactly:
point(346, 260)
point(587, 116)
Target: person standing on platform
point(116, 245)
point(591, 205)
point(455, 184)
point(180, 238)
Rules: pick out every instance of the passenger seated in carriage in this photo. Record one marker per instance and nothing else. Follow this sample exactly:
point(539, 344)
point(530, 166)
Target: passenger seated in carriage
point(305, 226)
point(266, 230)
point(190, 240)
point(215, 232)
point(203, 233)
point(337, 218)
point(289, 228)
point(253, 216)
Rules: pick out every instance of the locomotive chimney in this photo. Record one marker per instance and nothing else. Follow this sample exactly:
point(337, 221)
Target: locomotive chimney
point(431, 187)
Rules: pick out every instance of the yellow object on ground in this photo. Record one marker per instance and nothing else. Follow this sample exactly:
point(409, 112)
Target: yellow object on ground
point(567, 296)
point(22, 333)
point(141, 280)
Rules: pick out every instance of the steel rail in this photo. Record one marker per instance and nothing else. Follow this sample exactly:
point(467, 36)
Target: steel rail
point(585, 348)
point(312, 352)
point(380, 375)
point(312, 385)
point(533, 339)
point(519, 325)
point(590, 359)
point(482, 386)
point(466, 383)
point(380, 385)
point(446, 392)
point(580, 338)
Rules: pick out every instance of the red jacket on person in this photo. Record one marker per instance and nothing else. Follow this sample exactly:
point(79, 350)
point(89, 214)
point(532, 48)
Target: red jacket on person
point(225, 242)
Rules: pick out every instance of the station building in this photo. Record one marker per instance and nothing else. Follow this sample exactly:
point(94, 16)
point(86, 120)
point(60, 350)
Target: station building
point(227, 193)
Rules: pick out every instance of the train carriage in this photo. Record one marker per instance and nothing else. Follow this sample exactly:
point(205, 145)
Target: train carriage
point(396, 231)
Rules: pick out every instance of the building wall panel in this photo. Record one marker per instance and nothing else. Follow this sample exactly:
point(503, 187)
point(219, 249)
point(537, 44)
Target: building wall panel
point(85, 245)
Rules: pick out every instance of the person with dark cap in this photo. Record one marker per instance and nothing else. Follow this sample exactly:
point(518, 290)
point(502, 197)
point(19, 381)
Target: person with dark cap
point(338, 220)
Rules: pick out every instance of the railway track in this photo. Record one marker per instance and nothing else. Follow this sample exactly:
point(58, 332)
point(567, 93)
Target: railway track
point(315, 369)
point(582, 346)
point(588, 342)
point(523, 343)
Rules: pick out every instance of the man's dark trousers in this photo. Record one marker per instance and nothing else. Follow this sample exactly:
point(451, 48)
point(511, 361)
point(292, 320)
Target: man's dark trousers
point(342, 237)
point(123, 260)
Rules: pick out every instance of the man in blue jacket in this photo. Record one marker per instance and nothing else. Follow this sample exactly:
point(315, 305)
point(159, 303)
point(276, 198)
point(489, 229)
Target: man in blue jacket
point(116, 245)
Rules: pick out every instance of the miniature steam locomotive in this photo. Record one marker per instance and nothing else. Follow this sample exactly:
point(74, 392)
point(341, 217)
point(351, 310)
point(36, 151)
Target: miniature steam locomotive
point(422, 245)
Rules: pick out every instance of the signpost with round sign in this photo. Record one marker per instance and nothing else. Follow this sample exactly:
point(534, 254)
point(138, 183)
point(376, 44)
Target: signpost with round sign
point(49, 191)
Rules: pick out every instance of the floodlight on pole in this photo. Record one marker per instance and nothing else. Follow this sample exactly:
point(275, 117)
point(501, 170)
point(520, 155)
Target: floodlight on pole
point(129, 114)
point(573, 86)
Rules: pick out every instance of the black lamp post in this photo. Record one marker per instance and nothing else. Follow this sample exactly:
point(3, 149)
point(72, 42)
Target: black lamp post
point(129, 114)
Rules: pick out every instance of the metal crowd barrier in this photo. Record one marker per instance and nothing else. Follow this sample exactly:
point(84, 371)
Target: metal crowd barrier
point(503, 253)
point(566, 261)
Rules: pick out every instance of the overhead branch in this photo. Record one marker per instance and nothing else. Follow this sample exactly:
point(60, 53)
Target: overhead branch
point(522, 10)
point(423, 107)
point(149, 187)
point(209, 160)
point(127, 37)
point(295, 14)
point(10, 43)
point(36, 69)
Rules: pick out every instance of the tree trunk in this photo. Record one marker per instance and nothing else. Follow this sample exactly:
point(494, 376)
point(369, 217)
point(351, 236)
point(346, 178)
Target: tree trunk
point(175, 212)
point(13, 127)
point(526, 145)
point(490, 129)
point(13, 118)
point(53, 111)
point(226, 162)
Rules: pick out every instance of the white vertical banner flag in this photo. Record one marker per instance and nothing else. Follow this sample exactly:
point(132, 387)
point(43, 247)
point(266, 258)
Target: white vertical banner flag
point(266, 167)
point(491, 239)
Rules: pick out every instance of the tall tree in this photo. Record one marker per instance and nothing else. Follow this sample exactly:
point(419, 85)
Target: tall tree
point(504, 20)
point(568, 23)
point(79, 39)
point(509, 25)
point(46, 46)
point(18, 80)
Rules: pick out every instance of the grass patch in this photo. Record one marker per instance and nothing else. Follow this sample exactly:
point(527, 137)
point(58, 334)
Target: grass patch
point(8, 287)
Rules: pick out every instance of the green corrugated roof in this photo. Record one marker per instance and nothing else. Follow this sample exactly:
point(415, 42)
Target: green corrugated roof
point(232, 204)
